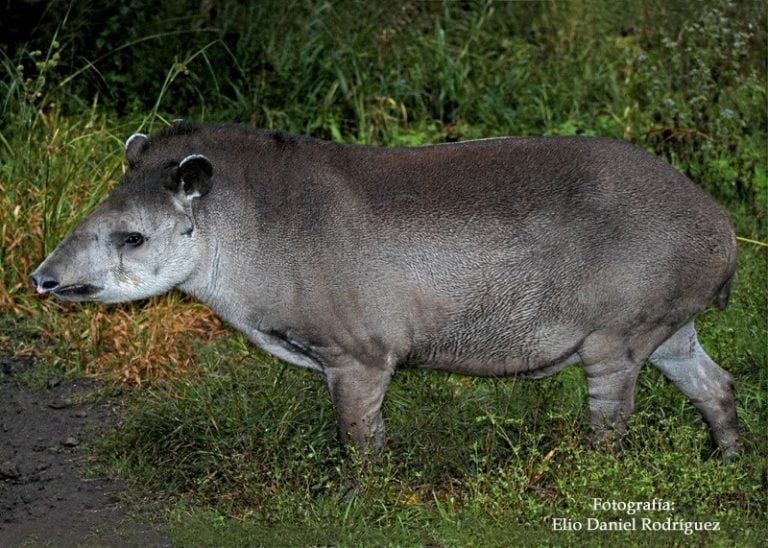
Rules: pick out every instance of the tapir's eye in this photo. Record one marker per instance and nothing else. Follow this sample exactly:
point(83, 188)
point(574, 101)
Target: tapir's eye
point(134, 239)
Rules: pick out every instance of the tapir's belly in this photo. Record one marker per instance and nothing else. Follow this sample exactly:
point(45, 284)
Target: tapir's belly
point(509, 366)
point(499, 350)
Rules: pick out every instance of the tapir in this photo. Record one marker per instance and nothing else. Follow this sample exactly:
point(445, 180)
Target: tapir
point(495, 257)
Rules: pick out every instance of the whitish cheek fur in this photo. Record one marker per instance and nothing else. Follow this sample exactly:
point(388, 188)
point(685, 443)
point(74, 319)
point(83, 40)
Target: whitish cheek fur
point(148, 278)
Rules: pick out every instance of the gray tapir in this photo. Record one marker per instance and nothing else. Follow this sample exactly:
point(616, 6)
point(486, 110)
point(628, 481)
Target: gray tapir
point(510, 256)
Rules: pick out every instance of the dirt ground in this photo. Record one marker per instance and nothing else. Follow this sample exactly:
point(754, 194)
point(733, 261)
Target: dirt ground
point(48, 496)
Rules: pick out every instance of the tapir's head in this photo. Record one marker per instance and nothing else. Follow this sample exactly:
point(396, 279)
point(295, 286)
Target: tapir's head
point(143, 240)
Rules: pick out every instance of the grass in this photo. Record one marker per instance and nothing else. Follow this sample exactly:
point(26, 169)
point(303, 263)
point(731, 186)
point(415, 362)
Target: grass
point(248, 451)
point(233, 445)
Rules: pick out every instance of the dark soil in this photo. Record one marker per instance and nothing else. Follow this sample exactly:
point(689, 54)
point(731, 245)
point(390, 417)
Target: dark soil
point(48, 493)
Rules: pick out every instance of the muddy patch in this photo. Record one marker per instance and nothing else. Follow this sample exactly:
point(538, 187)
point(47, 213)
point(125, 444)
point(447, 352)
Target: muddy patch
point(48, 494)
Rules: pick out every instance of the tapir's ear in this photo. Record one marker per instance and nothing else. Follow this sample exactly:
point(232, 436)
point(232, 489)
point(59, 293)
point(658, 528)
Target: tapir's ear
point(134, 146)
point(193, 176)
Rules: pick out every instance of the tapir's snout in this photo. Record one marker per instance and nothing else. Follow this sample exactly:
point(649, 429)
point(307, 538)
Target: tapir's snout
point(45, 280)
point(69, 271)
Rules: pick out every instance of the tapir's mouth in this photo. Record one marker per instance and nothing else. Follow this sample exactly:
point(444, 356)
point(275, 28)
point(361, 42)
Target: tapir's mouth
point(77, 292)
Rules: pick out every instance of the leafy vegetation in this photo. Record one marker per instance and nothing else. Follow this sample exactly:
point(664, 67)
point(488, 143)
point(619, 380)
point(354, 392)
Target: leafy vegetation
point(242, 446)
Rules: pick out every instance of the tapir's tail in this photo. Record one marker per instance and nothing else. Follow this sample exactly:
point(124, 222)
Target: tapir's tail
point(724, 293)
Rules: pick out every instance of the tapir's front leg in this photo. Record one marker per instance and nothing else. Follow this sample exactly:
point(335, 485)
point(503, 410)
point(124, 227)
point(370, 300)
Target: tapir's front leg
point(357, 392)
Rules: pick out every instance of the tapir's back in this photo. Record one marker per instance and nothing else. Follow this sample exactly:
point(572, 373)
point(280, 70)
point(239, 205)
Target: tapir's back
point(515, 178)
point(573, 206)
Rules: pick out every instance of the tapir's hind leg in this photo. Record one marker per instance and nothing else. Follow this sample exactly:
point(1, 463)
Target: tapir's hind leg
point(710, 388)
point(612, 362)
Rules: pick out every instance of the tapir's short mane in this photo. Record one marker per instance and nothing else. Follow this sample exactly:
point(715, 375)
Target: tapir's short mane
point(188, 129)
point(179, 129)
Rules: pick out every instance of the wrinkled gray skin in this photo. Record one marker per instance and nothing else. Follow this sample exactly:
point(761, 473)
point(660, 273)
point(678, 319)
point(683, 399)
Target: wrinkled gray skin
point(491, 258)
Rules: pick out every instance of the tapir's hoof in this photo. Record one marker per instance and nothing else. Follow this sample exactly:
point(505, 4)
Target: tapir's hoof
point(603, 439)
point(726, 454)
point(350, 490)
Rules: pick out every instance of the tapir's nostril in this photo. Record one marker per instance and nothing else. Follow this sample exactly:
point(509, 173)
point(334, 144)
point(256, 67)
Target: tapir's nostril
point(43, 283)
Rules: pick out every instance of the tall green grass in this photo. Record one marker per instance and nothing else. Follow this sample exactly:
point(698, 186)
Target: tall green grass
point(242, 447)
point(53, 169)
point(685, 79)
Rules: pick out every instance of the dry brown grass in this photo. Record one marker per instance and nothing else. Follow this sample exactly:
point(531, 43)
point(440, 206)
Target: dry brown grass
point(131, 343)
point(157, 343)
